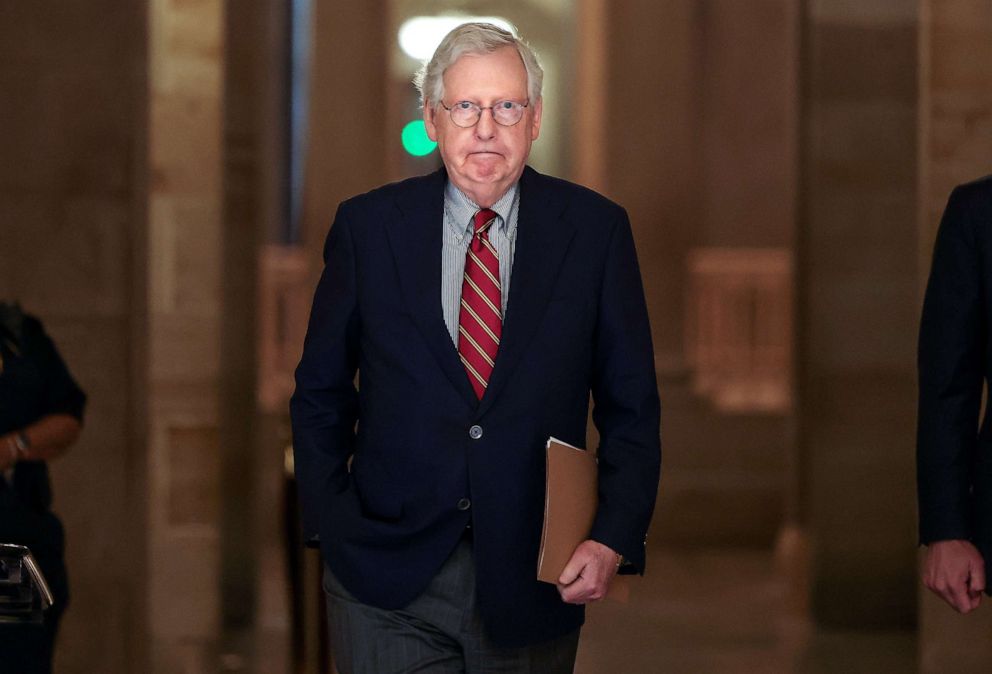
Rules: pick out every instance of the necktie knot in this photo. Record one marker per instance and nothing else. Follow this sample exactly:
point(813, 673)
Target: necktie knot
point(484, 219)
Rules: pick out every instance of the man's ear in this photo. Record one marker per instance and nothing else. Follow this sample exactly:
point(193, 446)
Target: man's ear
point(535, 126)
point(429, 121)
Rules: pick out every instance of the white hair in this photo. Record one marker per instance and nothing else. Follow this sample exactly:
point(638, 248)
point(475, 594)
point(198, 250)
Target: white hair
point(474, 38)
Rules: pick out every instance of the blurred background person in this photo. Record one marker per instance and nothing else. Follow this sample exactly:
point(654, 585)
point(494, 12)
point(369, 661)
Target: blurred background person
point(41, 411)
point(953, 471)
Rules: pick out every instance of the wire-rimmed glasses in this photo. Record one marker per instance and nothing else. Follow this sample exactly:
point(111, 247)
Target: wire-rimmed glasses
point(467, 114)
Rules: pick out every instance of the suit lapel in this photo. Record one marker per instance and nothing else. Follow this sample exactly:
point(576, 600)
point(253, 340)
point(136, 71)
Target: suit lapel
point(543, 237)
point(415, 240)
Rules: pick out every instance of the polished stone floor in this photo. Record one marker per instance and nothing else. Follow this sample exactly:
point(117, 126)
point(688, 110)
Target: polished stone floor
point(725, 611)
point(697, 611)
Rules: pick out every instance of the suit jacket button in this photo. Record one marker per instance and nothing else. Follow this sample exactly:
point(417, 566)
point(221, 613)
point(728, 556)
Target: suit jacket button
point(464, 504)
point(475, 432)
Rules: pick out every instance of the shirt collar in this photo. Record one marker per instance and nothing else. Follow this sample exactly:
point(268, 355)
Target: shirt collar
point(461, 210)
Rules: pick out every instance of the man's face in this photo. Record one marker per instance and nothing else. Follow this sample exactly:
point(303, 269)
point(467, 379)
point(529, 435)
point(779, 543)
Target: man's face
point(486, 159)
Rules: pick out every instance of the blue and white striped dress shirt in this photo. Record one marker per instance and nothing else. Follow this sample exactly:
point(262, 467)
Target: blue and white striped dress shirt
point(459, 211)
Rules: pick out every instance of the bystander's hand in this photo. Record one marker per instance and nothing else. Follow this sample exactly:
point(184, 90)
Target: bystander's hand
point(588, 573)
point(955, 571)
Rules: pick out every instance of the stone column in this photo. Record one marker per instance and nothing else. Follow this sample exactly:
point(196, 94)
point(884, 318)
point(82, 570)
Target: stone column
point(185, 299)
point(650, 138)
point(591, 87)
point(72, 226)
point(252, 175)
point(857, 254)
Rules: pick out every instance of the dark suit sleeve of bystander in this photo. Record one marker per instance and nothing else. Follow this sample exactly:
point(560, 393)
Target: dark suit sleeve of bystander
point(951, 370)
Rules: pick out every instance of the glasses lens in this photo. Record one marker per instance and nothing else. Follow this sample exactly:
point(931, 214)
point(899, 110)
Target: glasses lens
point(507, 113)
point(465, 113)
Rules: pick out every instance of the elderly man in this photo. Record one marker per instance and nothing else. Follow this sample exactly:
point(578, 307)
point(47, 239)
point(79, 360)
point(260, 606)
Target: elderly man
point(479, 305)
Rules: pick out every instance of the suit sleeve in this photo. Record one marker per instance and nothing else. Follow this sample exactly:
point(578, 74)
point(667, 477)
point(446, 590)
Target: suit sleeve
point(950, 363)
point(324, 407)
point(626, 409)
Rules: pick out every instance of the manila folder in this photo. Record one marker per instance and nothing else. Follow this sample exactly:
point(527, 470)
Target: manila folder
point(570, 503)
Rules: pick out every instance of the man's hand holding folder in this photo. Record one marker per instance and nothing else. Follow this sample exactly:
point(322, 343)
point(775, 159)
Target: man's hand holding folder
point(590, 575)
point(584, 570)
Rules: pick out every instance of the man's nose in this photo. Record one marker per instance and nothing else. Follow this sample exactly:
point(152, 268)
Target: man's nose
point(485, 128)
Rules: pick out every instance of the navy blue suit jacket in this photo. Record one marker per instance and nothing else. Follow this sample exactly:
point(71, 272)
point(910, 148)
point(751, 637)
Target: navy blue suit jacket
point(575, 322)
point(954, 452)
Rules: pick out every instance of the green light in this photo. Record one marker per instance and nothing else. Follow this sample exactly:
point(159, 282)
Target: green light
point(415, 140)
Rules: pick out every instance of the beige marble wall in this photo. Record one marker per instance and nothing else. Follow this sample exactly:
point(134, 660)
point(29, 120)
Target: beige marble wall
point(346, 149)
point(697, 132)
point(858, 310)
point(955, 147)
point(694, 132)
point(749, 90)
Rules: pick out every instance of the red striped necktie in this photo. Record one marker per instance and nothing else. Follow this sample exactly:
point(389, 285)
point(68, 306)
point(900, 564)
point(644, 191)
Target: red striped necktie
point(480, 318)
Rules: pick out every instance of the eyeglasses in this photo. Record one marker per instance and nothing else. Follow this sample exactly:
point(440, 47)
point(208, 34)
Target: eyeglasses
point(467, 114)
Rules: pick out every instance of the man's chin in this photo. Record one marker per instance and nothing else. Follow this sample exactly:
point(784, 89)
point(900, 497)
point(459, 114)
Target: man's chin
point(475, 177)
point(486, 175)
